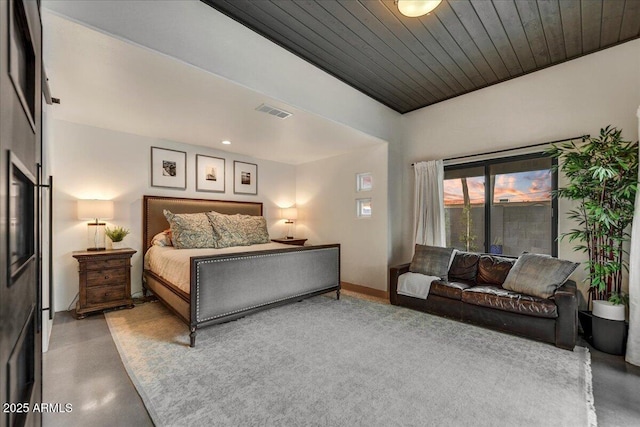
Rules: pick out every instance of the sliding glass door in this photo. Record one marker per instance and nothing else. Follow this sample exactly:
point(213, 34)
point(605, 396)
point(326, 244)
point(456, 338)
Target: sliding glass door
point(464, 201)
point(502, 206)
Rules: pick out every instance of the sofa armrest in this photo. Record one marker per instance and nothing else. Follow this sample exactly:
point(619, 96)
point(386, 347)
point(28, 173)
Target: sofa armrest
point(567, 323)
point(394, 273)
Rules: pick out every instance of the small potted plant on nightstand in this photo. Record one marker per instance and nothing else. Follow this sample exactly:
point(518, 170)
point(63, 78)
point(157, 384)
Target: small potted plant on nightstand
point(116, 235)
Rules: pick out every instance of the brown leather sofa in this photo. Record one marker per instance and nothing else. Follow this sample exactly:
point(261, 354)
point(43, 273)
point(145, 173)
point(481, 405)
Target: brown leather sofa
point(474, 294)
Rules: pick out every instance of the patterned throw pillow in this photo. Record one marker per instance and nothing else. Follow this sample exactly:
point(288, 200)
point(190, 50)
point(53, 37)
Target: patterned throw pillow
point(538, 275)
point(431, 261)
point(190, 231)
point(238, 230)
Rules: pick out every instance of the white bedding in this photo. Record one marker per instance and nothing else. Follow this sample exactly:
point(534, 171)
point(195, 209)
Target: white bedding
point(173, 265)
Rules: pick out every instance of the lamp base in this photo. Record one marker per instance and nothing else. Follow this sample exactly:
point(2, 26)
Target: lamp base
point(95, 236)
point(290, 230)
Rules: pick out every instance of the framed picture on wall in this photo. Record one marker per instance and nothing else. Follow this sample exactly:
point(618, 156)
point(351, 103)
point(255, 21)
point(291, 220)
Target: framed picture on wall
point(364, 182)
point(210, 174)
point(245, 178)
point(168, 168)
point(363, 208)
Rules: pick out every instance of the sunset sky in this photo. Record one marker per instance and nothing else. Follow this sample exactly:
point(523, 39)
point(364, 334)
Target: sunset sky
point(531, 186)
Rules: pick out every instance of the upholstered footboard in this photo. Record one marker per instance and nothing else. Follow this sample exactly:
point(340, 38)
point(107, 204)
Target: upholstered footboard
point(228, 287)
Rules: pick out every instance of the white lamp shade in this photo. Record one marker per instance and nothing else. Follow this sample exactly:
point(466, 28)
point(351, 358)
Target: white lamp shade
point(290, 213)
point(95, 209)
point(415, 8)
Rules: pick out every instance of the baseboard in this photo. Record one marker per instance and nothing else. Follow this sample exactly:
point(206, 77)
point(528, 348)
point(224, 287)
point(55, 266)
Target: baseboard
point(364, 290)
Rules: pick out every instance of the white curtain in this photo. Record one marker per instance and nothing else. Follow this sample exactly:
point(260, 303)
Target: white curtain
point(633, 342)
point(428, 202)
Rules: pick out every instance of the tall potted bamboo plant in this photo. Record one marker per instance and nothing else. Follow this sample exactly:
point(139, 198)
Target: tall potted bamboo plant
point(602, 174)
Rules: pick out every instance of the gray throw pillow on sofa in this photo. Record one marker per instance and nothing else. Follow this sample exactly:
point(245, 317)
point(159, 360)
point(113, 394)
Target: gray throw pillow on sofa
point(538, 275)
point(431, 260)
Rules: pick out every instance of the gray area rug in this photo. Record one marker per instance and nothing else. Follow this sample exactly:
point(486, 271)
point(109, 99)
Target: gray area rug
point(348, 363)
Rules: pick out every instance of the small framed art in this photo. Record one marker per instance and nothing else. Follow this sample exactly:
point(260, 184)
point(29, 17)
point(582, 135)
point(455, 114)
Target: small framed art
point(364, 182)
point(168, 168)
point(210, 174)
point(363, 208)
point(245, 178)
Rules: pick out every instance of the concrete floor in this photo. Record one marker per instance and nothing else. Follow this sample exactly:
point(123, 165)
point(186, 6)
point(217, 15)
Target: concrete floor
point(83, 367)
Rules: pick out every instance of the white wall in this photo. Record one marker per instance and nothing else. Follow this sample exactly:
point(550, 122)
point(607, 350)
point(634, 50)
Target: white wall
point(94, 163)
point(574, 98)
point(326, 199)
point(185, 29)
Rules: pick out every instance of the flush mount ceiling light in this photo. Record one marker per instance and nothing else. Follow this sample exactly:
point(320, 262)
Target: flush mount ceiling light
point(415, 8)
point(226, 142)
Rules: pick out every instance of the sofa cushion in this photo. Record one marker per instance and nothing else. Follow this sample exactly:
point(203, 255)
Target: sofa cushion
point(464, 266)
point(451, 290)
point(515, 302)
point(538, 275)
point(431, 260)
point(493, 270)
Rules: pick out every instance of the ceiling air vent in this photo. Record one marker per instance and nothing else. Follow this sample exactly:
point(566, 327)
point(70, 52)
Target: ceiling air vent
point(281, 114)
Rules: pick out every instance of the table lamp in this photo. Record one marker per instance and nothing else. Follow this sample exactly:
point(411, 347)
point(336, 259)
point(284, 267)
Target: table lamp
point(289, 214)
point(95, 210)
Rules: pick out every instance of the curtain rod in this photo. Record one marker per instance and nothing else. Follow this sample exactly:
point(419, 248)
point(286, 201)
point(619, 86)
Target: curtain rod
point(583, 137)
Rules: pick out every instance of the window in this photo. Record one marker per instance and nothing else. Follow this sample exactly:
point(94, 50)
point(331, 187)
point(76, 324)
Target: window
point(502, 206)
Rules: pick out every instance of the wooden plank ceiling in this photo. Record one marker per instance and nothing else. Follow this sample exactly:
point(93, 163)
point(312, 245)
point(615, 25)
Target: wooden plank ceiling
point(463, 45)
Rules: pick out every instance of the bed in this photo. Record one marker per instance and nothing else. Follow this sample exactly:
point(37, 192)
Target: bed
point(226, 286)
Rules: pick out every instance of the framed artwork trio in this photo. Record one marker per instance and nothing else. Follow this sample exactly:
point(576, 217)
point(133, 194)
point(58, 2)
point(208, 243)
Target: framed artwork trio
point(169, 170)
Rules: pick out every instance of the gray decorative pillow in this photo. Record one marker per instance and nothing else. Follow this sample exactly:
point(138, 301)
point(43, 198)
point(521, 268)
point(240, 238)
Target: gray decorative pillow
point(238, 230)
point(538, 275)
point(190, 231)
point(432, 261)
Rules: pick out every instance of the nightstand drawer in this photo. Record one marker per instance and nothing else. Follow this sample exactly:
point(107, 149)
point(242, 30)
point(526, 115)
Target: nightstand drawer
point(106, 277)
point(105, 294)
point(102, 264)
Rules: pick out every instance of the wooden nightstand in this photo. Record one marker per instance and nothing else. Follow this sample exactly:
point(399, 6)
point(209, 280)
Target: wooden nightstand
point(104, 279)
point(294, 241)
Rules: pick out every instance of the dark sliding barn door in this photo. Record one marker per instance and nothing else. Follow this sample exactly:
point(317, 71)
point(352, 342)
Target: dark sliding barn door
point(20, 154)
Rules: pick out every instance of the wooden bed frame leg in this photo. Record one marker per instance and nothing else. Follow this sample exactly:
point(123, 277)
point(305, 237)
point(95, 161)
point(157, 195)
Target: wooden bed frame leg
point(192, 337)
point(338, 294)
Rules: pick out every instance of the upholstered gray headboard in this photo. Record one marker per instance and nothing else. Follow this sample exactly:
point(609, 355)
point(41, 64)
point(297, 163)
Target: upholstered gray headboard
point(153, 220)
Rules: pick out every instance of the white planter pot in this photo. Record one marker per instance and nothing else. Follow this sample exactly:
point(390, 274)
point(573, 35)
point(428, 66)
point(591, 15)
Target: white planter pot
point(117, 245)
point(607, 310)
